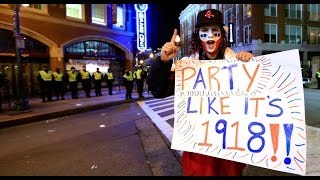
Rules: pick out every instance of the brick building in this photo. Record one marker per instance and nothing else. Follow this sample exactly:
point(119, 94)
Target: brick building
point(65, 35)
point(266, 28)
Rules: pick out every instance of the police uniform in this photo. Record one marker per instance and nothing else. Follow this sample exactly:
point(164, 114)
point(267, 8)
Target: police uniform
point(86, 82)
point(59, 82)
point(72, 77)
point(128, 79)
point(110, 80)
point(45, 79)
point(140, 78)
point(97, 80)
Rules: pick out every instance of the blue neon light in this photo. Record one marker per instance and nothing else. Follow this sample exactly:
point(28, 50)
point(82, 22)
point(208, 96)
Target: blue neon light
point(141, 21)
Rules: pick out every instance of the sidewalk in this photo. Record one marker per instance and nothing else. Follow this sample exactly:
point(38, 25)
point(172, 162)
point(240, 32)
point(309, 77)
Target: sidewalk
point(48, 110)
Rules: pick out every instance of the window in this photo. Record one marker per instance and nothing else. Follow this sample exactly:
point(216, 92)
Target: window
point(293, 34)
point(120, 16)
point(293, 11)
point(237, 35)
point(228, 16)
point(98, 14)
point(91, 48)
point(247, 11)
point(314, 35)
point(270, 10)
point(314, 12)
point(270, 33)
point(75, 11)
point(237, 14)
point(35, 7)
point(247, 34)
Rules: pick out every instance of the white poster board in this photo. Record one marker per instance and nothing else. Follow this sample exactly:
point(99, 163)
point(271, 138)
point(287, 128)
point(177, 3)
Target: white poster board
point(250, 112)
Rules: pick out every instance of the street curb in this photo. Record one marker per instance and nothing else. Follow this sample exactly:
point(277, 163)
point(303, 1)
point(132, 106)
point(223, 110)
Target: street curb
point(166, 140)
point(52, 115)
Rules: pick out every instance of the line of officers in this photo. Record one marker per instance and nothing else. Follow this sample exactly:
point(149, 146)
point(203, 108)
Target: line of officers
point(55, 82)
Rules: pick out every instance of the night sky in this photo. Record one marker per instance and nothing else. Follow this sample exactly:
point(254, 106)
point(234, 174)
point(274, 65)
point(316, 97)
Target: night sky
point(164, 18)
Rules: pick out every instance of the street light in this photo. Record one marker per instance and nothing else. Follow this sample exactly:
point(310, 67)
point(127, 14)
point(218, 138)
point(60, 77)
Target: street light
point(151, 55)
point(21, 103)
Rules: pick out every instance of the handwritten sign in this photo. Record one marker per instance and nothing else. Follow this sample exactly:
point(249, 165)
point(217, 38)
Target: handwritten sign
point(250, 112)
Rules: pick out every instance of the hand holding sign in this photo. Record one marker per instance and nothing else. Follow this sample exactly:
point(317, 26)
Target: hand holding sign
point(244, 56)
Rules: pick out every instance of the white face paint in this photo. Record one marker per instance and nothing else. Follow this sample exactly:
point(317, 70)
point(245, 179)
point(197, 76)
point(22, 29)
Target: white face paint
point(208, 33)
point(210, 37)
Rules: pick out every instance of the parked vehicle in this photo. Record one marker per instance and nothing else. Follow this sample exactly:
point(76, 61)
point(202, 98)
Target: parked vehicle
point(306, 81)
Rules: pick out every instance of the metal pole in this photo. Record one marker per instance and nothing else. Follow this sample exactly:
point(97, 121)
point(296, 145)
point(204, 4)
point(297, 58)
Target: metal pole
point(21, 103)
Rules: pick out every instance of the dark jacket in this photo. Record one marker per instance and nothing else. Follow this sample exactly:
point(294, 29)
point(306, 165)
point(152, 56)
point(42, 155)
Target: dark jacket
point(160, 79)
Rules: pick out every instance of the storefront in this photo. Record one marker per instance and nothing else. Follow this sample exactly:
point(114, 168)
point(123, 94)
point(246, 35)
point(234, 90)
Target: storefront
point(33, 57)
point(95, 54)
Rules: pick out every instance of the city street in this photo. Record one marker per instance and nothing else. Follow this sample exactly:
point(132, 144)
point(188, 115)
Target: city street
point(113, 141)
point(107, 140)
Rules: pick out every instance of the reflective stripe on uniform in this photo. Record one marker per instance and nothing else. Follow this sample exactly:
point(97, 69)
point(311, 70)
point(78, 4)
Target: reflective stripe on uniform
point(85, 75)
point(72, 76)
point(57, 76)
point(46, 76)
point(109, 75)
point(97, 75)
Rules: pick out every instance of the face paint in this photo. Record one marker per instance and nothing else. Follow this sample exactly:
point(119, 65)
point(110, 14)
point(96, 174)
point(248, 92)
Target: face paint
point(210, 37)
point(208, 33)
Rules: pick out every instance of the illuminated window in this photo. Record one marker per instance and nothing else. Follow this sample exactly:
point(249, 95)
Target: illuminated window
point(270, 33)
point(98, 14)
point(247, 36)
point(293, 11)
point(270, 10)
point(247, 11)
point(293, 34)
point(75, 11)
point(314, 35)
point(120, 16)
point(314, 12)
point(35, 7)
point(91, 48)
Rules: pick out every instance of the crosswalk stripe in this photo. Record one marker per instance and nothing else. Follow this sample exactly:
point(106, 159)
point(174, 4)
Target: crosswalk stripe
point(160, 103)
point(167, 118)
point(158, 100)
point(161, 108)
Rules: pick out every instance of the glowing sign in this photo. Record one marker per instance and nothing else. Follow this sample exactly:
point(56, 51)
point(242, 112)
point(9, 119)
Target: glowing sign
point(141, 10)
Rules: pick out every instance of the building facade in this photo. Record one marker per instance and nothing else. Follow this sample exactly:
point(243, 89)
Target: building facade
point(66, 35)
point(266, 28)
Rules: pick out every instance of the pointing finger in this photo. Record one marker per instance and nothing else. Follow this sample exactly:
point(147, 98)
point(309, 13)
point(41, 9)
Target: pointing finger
point(175, 32)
